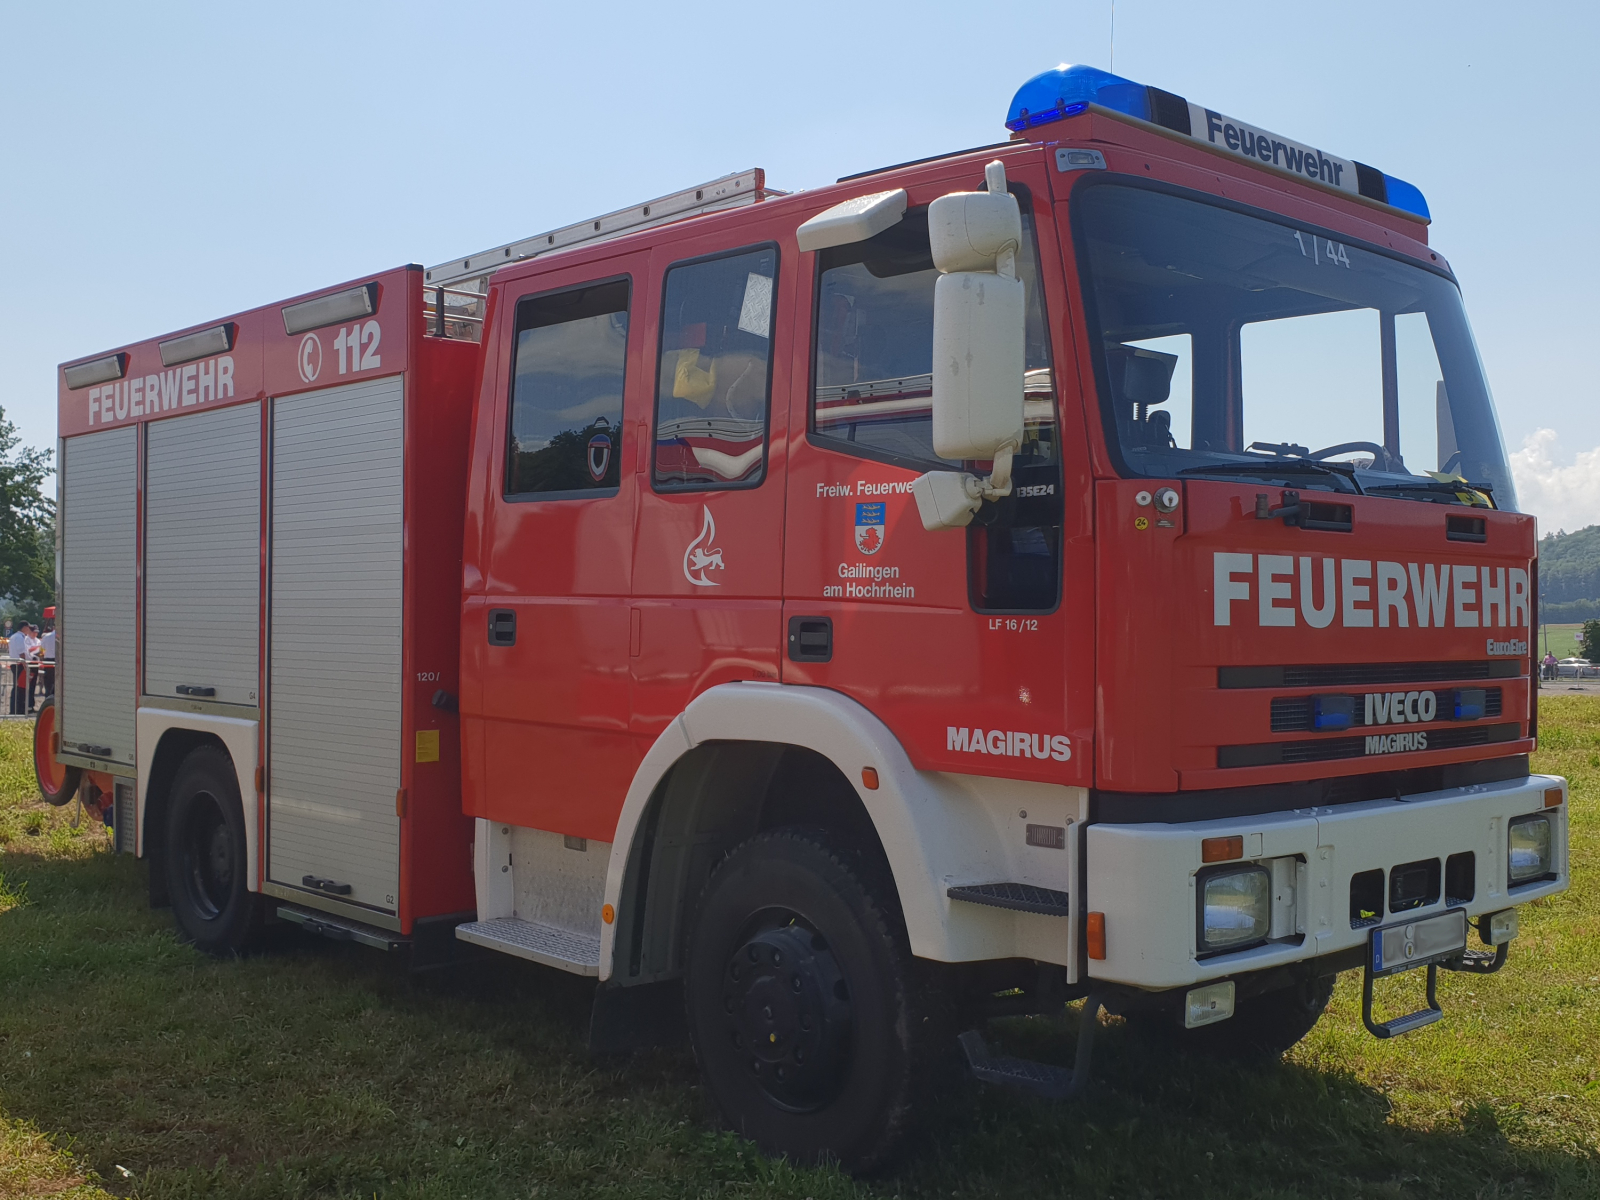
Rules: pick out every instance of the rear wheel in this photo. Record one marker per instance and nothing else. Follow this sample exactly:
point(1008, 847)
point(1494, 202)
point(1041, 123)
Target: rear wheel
point(206, 861)
point(801, 1006)
point(58, 783)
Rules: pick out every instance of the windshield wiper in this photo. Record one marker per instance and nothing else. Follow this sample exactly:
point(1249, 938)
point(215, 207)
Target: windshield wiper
point(1279, 466)
point(1433, 485)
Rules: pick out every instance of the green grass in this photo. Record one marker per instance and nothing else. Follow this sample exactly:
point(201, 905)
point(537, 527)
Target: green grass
point(1563, 640)
point(322, 1070)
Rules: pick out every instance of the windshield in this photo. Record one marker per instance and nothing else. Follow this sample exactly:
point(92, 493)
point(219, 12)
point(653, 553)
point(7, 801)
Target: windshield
point(1237, 346)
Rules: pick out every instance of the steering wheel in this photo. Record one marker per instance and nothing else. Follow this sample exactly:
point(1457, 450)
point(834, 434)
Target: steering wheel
point(1379, 454)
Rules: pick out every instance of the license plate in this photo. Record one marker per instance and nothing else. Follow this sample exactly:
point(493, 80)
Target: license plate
point(1408, 944)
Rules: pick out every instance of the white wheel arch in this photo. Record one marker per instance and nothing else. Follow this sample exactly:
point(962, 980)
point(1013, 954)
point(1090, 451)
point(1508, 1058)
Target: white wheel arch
point(936, 829)
point(237, 734)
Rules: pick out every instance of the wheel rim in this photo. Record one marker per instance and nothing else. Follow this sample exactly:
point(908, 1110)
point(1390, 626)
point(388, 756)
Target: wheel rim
point(52, 774)
point(208, 857)
point(788, 1012)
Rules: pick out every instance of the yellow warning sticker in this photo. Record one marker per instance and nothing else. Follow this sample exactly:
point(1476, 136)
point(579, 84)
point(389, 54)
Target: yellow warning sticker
point(427, 745)
point(1138, 523)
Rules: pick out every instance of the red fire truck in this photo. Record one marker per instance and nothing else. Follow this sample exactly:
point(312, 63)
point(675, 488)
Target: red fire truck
point(1081, 567)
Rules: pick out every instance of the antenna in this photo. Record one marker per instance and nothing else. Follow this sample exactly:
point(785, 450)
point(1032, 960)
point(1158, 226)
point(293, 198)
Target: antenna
point(1113, 67)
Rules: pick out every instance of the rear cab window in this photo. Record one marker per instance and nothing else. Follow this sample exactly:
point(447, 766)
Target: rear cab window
point(564, 438)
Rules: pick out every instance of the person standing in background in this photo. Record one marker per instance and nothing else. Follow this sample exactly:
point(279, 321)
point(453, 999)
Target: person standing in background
point(34, 645)
point(47, 653)
point(17, 648)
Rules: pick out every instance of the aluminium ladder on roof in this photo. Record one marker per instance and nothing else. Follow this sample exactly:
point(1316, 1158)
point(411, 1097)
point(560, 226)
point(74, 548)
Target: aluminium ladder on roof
point(458, 286)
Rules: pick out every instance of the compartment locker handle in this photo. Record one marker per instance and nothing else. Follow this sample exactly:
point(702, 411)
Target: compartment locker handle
point(502, 627)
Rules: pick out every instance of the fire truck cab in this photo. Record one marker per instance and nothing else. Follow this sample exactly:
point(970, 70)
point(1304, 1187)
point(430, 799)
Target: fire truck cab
point(1079, 567)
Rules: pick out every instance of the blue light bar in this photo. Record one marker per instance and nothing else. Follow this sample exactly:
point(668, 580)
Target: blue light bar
point(1067, 91)
point(1405, 195)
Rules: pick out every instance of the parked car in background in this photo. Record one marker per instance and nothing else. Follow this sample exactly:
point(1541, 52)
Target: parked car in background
point(1577, 668)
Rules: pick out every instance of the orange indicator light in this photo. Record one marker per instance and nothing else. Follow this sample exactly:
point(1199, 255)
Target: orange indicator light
point(1096, 931)
point(1222, 849)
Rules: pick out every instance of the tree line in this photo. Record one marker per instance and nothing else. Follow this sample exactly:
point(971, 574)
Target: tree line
point(27, 527)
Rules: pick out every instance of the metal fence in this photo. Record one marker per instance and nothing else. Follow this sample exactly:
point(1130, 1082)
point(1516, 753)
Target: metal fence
point(24, 685)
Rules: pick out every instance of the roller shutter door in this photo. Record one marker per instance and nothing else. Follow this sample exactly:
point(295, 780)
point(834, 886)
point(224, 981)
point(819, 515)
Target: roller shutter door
point(335, 628)
point(99, 553)
point(202, 556)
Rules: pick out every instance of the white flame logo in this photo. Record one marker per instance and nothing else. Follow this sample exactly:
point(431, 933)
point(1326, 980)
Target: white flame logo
point(700, 557)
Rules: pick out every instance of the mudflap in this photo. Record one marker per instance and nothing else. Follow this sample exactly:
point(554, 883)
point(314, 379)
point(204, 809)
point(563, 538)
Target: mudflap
point(637, 1017)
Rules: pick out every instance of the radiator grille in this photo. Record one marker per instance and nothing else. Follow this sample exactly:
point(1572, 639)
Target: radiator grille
point(1323, 749)
point(1369, 674)
point(1292, 714)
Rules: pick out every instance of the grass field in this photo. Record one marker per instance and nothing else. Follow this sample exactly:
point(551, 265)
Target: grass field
point(131, 1065)
point(1563, 640)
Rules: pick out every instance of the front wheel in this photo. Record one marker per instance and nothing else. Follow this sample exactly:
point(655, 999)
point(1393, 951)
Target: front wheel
point(58, 783)
point(801, 1007)
point(206, 856)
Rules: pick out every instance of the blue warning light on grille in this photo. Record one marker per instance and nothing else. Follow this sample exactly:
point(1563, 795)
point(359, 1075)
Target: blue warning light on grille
point(1066, 91)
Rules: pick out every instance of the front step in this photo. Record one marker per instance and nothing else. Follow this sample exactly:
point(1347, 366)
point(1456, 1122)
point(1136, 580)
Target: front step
point(1018, 897)
point(547, 944)
point(1042, 1079)
point(343, 929)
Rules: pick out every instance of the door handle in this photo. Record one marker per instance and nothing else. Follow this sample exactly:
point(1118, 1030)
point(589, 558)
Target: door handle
point(502, 627)
point(811, 639)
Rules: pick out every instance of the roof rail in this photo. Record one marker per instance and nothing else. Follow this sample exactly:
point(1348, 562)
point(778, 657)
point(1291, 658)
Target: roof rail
point(730, 191)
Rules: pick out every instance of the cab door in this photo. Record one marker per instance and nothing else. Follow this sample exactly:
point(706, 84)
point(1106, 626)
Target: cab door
point(708, 547)
point(553, 632)
point(974, 646)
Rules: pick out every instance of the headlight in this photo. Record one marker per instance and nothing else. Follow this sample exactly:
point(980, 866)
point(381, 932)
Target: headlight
point(1528, 857)
point(1235, 908)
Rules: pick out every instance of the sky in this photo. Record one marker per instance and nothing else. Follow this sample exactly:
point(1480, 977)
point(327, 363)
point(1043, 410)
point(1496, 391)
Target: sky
point(161, 165)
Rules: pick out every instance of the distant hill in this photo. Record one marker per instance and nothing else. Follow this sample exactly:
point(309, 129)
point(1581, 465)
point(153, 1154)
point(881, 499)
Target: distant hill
point(1569, 575)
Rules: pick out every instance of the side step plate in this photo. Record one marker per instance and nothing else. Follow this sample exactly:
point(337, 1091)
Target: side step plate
point(538, 943)
point(342, 929)
point(1042, 1079)
point(1018, 897)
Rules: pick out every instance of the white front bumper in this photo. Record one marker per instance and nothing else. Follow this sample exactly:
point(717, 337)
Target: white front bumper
point(1143, 877)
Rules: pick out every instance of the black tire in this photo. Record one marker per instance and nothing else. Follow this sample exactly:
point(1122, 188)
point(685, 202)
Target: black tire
point(1262, 1027)
point(205, 863)
point(802, 1004)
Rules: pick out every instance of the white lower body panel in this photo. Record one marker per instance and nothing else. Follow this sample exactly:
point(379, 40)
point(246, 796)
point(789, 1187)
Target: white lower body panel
point(1143, 877)
point(539, 895)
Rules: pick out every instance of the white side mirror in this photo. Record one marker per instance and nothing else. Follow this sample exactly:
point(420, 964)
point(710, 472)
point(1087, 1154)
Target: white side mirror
point(979, 319)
